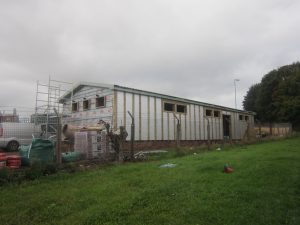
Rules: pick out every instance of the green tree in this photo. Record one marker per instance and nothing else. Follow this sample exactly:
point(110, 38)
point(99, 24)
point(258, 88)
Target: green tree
point(277, 97)
point(249, 102)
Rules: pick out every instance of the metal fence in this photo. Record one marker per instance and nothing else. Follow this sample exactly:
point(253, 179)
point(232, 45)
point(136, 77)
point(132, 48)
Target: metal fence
point(19, 125)
point(273, 129)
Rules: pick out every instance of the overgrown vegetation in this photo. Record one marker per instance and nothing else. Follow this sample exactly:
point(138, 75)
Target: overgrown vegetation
point(35, 171)
point(264, 189)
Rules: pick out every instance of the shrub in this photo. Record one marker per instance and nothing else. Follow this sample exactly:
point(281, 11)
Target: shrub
point(4, 176)
point(50, 168)
point(71, 167)
point(16, 176)
point(35, 171)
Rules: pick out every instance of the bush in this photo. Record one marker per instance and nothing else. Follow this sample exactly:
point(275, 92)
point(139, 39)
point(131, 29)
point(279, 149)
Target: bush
point(71, 167)
point(16, 176)
point(50, 168)
point(35, 171)
point(4, 176)
point(10, 176)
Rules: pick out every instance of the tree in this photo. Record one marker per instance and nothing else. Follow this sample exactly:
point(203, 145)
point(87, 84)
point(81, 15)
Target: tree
point(277, 97)
point(249, 102)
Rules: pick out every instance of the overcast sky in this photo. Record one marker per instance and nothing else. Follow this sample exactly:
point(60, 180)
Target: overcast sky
point(190, 49)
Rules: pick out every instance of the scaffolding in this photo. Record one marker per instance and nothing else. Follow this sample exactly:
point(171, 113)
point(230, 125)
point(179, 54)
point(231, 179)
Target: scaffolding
point(48, 109)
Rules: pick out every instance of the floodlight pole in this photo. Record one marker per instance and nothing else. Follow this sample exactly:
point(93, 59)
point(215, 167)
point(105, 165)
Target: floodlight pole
point(234, 81)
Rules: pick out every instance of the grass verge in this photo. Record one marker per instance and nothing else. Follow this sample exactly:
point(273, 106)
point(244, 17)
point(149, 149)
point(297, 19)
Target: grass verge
point(264, 189)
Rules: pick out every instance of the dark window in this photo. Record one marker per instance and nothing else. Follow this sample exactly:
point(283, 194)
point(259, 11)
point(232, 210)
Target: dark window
point(169, 107)
point(208, 112)
point(181, 108)
point(241, 117)
point(75, 107)
point(100, 102)
point(246, 118)
point(86, 104)
point(216, 113)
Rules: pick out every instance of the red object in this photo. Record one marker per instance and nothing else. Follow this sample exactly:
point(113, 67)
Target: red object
point(12, 157)
point(3, 157)
point(14, 161)
point(228, 170)
point(14, 164)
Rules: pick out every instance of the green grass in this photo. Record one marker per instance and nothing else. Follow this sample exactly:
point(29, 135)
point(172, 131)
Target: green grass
point(264, 189)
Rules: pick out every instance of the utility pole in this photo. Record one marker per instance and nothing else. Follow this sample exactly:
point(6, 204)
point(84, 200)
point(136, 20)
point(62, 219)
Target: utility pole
point(132, 137)
point(234, 81)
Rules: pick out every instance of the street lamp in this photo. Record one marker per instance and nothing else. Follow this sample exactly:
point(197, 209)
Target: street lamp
point(235, 80)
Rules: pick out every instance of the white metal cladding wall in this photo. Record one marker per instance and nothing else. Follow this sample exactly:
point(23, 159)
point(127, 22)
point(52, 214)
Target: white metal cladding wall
point(233, 125)
point(143, 110)
point(120, 109)
point(221, 127)
point(191, 119)
point(152, 123)
point(213, 128)
point(159, 119)
point(152, 118)
point(236, 126)
point(197, 123)
point(171, 127)
point(165, 126)
point(188, 123)
point(203, 124)
point(92, 115)
point(144, 118)
point(201, 121)
point(182, 122)
point(128, 108)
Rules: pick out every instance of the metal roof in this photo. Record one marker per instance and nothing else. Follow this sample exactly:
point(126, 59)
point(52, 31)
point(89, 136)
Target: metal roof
point(149, 93)
point(77, 86)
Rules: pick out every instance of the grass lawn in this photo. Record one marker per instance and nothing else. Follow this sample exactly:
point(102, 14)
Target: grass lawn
point(264, 189)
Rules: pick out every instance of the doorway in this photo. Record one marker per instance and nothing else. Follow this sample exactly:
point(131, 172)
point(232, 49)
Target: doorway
point(226, 126)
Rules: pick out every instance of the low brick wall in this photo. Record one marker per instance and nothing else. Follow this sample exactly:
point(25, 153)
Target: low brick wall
point(154, 145)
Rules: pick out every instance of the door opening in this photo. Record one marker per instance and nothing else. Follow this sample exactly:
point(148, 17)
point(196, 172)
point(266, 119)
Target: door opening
point(226, 126)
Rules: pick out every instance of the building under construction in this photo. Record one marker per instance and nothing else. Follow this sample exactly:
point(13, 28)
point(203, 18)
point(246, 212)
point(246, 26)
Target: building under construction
point(155, 115)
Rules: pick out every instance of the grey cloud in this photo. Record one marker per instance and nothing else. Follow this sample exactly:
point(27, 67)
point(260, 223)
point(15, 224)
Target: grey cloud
point(191, 49)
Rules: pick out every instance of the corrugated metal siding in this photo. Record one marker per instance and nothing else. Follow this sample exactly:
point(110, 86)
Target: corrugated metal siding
point(158, 119)
point(144, 118)
point(136, 117)
point(128, 118)
point(151, 124)
point(151, 117)
point(187, 123)
point(192, 123)
point(202, 123)
point(120, 111)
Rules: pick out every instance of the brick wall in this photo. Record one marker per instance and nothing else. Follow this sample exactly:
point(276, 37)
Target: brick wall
point(155, 145)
